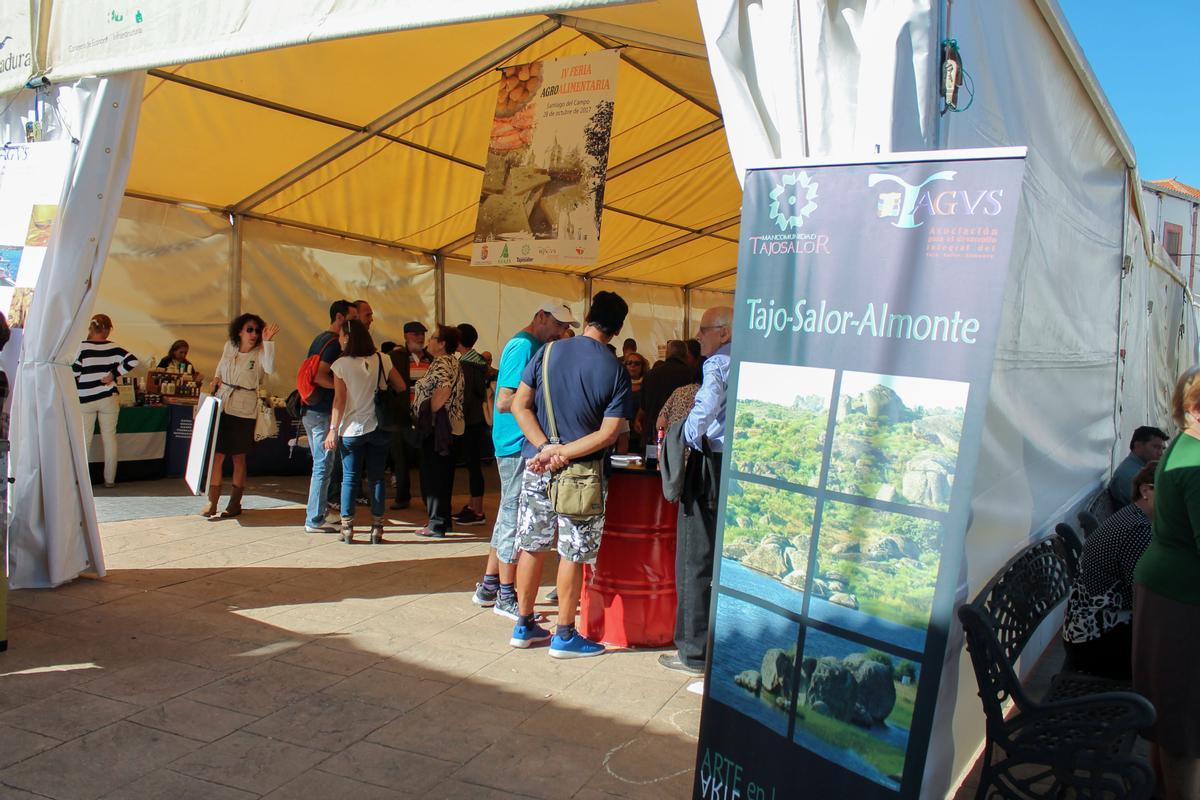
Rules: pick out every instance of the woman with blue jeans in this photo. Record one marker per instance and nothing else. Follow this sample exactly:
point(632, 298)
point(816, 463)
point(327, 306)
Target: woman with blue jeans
point(357, 376)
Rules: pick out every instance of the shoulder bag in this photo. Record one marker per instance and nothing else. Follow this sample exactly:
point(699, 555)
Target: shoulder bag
point(457, 427)
point(386, 417)
point(265, 424)
point(577, 490)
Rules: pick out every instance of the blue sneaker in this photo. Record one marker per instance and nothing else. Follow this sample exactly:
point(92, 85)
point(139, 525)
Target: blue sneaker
point(528, 635)
point(578, 646)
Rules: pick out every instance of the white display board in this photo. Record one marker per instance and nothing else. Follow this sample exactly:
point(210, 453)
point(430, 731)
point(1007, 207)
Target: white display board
point(204, 440)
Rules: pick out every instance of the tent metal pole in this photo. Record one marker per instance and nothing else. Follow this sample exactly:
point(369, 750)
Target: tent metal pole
point(439, 266)
point(667, 245)
point(235, 267)
point(687, 311)
point(478, 67)
point(665, 148)
point(633, 36)
point(587, 292)
point(716, 112)
point(710, 279)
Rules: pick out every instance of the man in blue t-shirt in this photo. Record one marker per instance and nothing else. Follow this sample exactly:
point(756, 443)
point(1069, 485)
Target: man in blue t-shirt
point(316, 414)
point(590, 397)
point(549, 323)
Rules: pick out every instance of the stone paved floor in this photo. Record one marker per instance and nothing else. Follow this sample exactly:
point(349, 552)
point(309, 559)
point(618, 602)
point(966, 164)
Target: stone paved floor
point(245, 659)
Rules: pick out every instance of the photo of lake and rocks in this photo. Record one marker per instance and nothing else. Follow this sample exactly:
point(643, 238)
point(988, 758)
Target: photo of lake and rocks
point(853, 705)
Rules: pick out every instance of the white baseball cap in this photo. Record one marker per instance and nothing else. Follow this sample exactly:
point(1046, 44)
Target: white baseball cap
point(561, 312)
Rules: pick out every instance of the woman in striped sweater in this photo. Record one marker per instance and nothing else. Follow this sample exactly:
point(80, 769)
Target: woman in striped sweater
point(97, 368)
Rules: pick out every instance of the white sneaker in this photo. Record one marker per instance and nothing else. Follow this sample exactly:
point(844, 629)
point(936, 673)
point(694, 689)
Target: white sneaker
point(320, 529)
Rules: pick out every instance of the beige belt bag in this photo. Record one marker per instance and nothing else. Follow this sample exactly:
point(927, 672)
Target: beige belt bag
point(577, 490)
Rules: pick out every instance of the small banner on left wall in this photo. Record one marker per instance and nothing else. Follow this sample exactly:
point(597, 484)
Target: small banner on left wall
point(543, 186)
point(31, 183)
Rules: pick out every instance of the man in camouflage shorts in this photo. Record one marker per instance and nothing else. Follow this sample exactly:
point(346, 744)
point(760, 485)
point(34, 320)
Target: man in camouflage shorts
point(589, 398)
point(538, 525)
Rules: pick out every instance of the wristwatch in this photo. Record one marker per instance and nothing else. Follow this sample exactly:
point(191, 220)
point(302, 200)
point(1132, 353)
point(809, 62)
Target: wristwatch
point(543, 446)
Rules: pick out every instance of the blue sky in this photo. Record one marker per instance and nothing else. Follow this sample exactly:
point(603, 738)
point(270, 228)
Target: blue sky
point(1146, 58)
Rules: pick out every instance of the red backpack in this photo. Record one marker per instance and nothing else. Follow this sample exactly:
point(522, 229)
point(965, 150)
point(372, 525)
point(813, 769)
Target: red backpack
point(305, 376)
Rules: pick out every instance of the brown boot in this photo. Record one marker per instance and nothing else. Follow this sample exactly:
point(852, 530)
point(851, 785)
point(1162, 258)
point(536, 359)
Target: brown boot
point(214, 496)
point(235, 503)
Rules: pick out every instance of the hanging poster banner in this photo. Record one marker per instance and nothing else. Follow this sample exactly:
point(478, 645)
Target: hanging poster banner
point(543, 185)
point(866, 318)
point(31, 183)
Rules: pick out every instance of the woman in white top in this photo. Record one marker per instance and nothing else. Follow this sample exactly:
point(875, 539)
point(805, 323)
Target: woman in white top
point(248, 357)
point(357, 376)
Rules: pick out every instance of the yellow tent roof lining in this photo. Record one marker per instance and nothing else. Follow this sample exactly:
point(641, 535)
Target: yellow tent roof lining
point(672, 198)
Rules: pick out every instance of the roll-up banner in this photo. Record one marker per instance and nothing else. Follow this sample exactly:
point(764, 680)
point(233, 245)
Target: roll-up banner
point(866, 316)
point(543, 185)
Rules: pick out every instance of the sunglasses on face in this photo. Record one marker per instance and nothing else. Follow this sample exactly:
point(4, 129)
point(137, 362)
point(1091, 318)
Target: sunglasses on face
point(249, 329)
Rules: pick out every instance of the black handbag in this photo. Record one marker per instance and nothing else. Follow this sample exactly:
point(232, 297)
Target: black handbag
point(385, 408)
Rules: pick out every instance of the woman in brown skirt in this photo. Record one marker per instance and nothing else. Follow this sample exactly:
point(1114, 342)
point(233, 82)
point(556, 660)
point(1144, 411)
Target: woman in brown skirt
point(248, 357)
point(1166, 605)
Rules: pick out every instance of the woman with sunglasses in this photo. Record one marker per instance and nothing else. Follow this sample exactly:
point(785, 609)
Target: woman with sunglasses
point(248, 357)
point(636, 366)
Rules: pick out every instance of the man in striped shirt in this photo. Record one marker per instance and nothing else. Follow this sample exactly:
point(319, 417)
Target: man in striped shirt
point(99, 364)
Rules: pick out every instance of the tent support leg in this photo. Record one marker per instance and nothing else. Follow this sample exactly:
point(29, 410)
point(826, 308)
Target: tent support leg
point(235, 267)
point(439, 267)
point(587, 294)
point(687, 311)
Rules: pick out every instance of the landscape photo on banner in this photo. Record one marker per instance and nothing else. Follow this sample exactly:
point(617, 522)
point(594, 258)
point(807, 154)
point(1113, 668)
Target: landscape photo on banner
point(31, 182)
point(543, 184)
point(865, 323)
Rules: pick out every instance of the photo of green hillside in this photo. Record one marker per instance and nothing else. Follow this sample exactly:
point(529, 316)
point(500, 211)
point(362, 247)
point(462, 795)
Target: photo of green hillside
point(769, 530)
point(896, 438)
point(878, 562)
point(780, 423)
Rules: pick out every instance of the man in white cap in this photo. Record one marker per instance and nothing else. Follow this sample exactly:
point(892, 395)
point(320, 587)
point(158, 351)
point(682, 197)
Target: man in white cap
point(549, 323)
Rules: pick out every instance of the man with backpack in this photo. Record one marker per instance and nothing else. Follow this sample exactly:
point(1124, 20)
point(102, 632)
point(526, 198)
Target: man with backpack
point(315, 385)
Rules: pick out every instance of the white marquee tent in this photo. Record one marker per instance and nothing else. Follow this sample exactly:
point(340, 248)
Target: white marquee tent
point(286, 158)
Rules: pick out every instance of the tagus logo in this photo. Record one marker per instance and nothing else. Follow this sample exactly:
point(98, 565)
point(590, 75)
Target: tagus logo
point(913, 203)
point(793, 200)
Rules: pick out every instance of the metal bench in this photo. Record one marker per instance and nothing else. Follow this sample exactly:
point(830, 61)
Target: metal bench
point(1077, 741)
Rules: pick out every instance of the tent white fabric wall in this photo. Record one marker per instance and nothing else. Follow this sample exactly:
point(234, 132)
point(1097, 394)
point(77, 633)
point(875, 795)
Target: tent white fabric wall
point(53, 533)
point(290, 276)
point(181, 262)
point(166, 278)
point(499, 302)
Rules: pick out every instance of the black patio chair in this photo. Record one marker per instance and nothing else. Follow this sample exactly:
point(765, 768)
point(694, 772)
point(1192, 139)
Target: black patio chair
point(1073, 541)
point(1077, 741)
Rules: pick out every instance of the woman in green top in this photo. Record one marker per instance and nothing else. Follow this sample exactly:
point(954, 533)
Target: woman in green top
point(1166, 604)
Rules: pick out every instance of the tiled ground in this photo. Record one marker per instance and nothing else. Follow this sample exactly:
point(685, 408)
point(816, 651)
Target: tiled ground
point(245, 659)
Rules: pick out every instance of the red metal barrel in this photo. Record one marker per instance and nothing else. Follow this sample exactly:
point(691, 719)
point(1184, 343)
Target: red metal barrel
point(629, 596)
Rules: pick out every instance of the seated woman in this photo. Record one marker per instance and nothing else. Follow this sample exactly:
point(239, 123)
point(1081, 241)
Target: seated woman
point(177, 357)
point(1098, 631)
